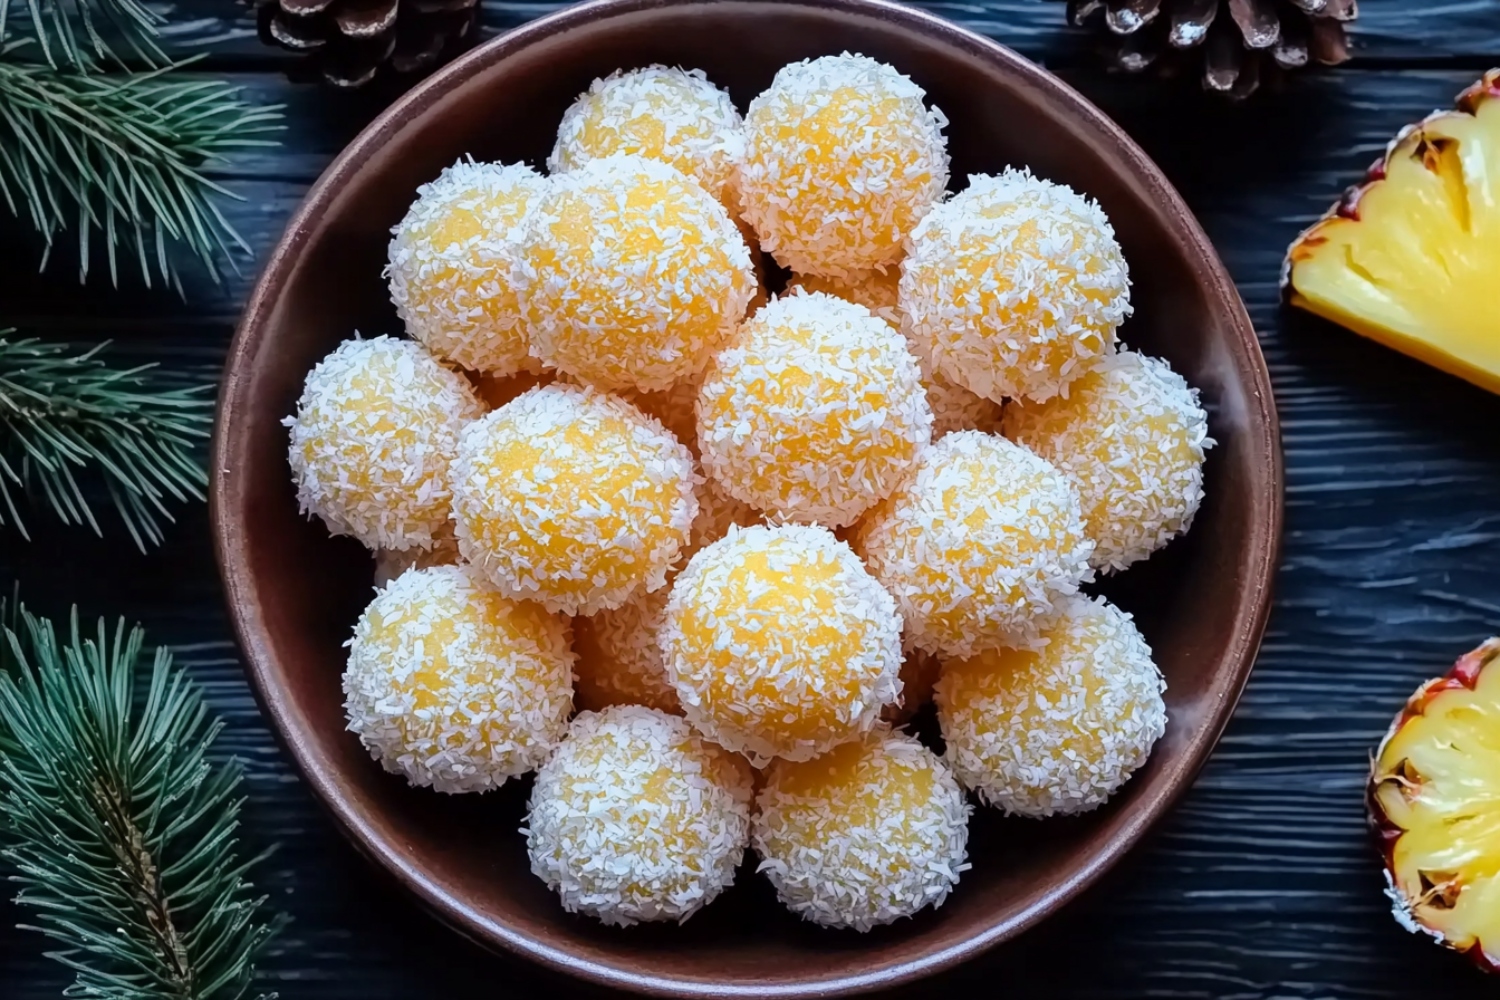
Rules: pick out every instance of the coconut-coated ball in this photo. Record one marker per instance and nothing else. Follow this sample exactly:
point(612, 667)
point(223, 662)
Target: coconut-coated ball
point(1056, 730)
point(373, 438)
point(572, 497)
point(870, 832)
point(631, 275)
point(780, 643)
point(454, 686)
point(450, 263)
point(1131, 435)
point(1015, 286)
point(815, 413)
point(673, 115)
point(977, 545)
point(954, 408)
point(843, 158)
point(636, 818)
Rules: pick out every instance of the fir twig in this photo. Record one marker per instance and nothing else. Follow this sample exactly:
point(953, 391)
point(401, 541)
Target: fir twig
point(123, 835)
point(75, 34)
point(64, 412)
point(122, 157)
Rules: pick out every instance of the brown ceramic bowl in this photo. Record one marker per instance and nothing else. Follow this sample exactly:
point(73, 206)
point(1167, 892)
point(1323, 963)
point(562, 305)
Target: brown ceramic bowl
point(294, 592)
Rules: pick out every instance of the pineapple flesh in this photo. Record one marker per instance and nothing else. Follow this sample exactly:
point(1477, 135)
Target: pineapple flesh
point(1412, 257)
point(1434, 798)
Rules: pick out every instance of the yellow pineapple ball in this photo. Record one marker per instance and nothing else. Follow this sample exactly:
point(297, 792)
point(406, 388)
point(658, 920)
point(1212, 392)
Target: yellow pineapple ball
point(636, 818)
point(842, 159)
point(1015, 286)
point(454, 686)
point(873, 831)
point(1131, 436)
point(780, 644)
point(450, 264)
point(620, 660)
point(1055, 731)
point(572, 497)
point(954, 408)
point(978, 545)
point(631, 275)
point(815, 413)
point(374, 435)
point(673, 115)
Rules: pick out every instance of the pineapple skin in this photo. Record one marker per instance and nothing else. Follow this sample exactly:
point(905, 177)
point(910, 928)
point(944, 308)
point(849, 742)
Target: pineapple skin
point(1431, 351)
point(1464, 676)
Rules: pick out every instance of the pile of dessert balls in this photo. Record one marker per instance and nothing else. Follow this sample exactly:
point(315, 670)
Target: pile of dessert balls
point(749, 534)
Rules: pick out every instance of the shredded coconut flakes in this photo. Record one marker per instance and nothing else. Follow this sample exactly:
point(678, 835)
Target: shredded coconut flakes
point(631, 275)
point(673, 115)
point(375, 431)
point(872, 833)
point(815, 413)
point(1014, 286)
point(455, 687)
point(1131, 435)
point(977, 544)
point(1057, 731)
point(842, 159)
point(780, 643)
point(572, 497)
point(635, 818)
point(450, 262)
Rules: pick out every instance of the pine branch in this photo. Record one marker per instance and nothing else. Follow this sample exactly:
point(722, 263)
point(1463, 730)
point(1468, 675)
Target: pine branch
point(122, 833)
point(64, 413)
point(121, 157)
point(75, 34)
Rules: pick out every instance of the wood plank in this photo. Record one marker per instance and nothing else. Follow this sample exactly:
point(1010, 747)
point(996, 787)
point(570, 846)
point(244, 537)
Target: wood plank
point(1386, 29)
point(1261, 885)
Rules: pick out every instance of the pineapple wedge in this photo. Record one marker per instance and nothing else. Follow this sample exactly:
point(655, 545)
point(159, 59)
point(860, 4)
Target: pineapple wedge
point(1411, 258)
point(1434, 801)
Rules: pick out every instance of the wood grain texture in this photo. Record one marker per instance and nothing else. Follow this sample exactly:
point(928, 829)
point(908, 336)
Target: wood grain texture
point(1402, 30)
point(1261, 885)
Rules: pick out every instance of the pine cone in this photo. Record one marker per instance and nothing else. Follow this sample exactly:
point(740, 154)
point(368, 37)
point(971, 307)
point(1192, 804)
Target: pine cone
point(347, 41)
point(1242, 42)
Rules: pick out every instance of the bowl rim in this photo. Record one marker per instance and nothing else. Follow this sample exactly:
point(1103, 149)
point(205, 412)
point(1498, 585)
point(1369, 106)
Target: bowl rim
point(230, 438)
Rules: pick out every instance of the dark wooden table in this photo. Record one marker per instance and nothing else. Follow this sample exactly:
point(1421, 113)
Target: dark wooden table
point(1262, 883)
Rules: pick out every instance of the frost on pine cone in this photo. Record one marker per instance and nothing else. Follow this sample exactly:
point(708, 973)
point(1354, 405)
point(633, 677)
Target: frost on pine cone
point(346, 42)
point(1234, 44)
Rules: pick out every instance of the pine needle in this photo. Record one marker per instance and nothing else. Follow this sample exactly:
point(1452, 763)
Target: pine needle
point(75, 34)
point(121, 156)
point(66, 414)
point(123, 835)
